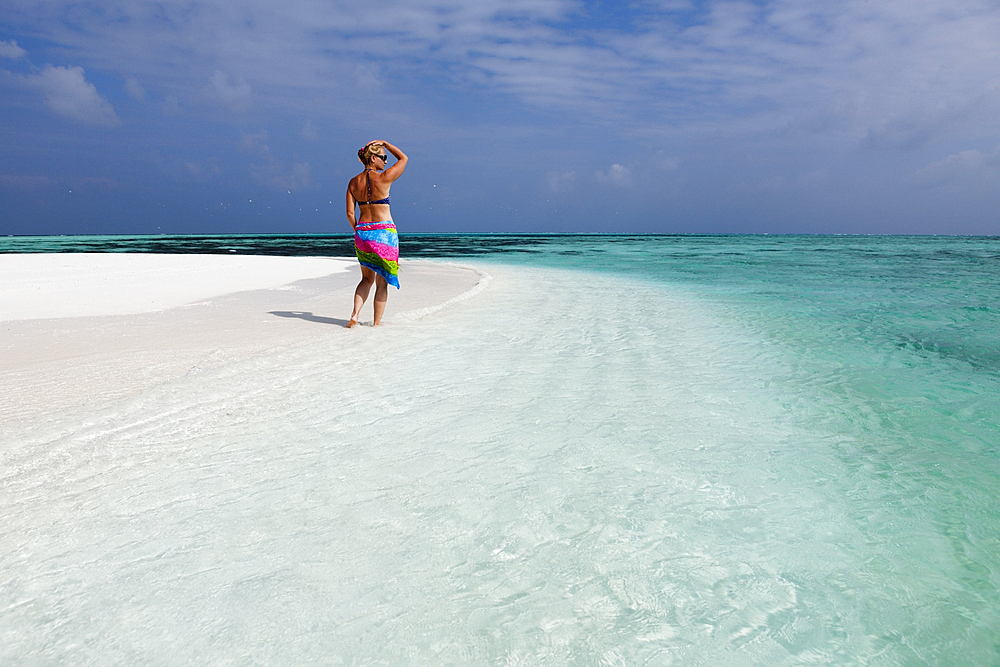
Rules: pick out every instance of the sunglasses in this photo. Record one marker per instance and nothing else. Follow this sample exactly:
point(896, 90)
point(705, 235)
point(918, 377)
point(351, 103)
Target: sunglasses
point(385, 158)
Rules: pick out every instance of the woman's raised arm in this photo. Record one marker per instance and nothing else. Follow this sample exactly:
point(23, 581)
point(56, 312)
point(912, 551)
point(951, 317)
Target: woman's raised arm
point(396, 170)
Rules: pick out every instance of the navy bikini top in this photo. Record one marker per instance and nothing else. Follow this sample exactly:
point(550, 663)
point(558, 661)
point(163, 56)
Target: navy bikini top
point(378, 201)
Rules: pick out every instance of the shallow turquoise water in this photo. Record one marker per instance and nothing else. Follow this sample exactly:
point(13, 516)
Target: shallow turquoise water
point(627, 450)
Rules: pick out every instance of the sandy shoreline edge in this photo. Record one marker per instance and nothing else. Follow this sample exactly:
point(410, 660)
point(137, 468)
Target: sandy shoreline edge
point(106, 326)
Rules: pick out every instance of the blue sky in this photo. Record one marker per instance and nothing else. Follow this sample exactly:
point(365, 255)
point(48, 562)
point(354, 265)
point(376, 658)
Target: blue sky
point(196, 116)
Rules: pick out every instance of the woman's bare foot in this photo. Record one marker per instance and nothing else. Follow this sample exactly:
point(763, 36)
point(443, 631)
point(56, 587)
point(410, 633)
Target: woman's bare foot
point(351, 323)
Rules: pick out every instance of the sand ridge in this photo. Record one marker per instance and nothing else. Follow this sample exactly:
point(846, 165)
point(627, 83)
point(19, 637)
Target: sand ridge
point(51, 363)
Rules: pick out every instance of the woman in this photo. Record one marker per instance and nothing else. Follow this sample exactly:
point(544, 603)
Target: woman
point(375, 240)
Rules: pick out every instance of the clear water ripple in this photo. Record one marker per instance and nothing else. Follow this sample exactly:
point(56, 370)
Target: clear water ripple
point(785, 459)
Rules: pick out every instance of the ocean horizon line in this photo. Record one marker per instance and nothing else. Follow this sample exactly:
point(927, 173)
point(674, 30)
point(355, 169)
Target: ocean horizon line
point(505, 234)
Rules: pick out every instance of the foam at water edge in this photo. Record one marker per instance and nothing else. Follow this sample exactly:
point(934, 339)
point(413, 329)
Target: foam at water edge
point(413, 315)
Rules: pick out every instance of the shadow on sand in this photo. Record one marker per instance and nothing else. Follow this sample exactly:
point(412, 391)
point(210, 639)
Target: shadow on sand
point(306, 315)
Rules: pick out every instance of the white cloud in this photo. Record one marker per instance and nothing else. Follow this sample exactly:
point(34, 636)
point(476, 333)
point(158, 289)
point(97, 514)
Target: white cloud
point(11, 50)
point(617, 175)
point(235, 94)
point(732, 91)
point(256, 143)
point(67, 93)
point(135, 89)
point(962, 165)
point(309, 132)
point(889, 74)
point(561, 182)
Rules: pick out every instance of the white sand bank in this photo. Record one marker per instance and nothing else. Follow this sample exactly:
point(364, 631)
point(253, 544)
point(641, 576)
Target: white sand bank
point(50, 285)
point(79, 331)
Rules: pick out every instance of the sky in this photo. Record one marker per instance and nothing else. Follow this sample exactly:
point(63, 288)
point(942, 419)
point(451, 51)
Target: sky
point(637, 116)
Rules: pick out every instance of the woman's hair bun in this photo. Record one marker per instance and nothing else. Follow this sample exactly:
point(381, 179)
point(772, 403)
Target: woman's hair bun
point(365, 154)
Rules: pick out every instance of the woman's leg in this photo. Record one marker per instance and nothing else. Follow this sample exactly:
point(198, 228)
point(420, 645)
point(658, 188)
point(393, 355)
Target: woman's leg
point(361, 294)
point(381, 296)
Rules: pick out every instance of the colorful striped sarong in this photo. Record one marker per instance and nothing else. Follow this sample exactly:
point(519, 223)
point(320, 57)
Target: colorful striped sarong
point(377, 247)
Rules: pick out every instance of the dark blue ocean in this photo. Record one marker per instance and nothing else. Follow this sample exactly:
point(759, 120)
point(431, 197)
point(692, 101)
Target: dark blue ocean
point(718, 450)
